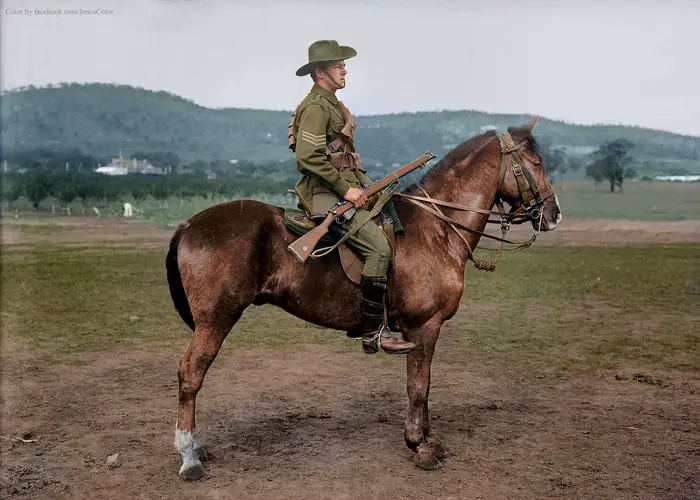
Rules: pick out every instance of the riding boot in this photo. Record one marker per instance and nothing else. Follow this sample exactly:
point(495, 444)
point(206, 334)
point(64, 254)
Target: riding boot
point(376, 335)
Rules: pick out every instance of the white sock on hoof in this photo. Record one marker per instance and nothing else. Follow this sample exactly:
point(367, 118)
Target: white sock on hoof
point(186, 444)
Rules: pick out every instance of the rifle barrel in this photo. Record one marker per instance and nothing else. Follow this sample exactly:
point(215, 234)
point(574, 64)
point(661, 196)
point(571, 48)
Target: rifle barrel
point(386, 181)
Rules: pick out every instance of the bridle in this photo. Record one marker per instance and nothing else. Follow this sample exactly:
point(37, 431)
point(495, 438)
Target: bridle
point(531, 199)
point(531, 208)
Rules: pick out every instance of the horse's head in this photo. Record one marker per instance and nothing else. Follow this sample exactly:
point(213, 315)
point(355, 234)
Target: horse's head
point(524, 184)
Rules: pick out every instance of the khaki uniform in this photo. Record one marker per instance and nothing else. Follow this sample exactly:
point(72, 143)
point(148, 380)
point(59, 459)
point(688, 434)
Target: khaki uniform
point(318, 120)
point(314, 137)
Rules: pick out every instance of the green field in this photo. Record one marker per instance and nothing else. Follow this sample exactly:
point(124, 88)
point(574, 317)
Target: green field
point(579, 199)
point(580, 308)
point(639, 201)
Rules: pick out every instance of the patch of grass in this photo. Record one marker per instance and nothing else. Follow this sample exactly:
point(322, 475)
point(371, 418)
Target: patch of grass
point(80, 300)
point(639, 201)
point(654, 277)
point(545, 311)
point(87, 299)
point(585, 309)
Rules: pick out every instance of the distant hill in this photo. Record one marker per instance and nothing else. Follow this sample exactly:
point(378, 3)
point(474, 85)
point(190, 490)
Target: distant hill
point(102, 119)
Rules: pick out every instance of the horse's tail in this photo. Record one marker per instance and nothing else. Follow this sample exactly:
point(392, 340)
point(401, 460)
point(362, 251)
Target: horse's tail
point(177, 291)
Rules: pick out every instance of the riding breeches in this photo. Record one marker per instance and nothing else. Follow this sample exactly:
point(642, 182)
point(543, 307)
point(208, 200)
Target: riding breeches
point(369, 241)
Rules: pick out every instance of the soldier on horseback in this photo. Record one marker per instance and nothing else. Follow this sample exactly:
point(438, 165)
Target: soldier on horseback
point(321, 134)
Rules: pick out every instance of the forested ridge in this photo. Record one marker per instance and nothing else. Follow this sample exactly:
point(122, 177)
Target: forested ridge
point(102, 120)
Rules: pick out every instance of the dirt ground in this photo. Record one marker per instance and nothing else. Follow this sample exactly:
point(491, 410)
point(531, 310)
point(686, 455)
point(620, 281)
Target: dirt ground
point(312, 424)
point(76, 231)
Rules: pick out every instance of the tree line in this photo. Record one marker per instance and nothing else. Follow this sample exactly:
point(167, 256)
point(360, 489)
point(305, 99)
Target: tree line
point(90, 188)
point(47, 176)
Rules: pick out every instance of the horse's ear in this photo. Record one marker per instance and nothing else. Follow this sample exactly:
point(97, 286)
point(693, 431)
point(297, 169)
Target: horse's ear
point(524, 131)
point(530, 126)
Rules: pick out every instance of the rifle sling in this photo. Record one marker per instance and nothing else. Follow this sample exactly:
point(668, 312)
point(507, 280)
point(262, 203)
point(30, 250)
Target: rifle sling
point(386, 195)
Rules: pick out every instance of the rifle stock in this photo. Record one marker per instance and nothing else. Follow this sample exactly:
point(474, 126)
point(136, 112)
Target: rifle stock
point(303, 246)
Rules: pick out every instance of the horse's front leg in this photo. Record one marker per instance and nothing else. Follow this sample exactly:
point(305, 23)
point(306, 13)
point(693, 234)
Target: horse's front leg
point(417, 432)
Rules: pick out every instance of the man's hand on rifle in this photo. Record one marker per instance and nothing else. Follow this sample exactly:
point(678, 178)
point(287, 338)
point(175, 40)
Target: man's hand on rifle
point(356, 196)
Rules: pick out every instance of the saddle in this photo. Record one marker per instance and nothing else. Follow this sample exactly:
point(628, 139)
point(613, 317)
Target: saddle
point(299, 223)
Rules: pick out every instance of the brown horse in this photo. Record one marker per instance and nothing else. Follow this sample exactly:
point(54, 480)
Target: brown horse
point(234, 254)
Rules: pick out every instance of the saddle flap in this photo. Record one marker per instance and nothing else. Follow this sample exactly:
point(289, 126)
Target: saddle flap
point(352, 263)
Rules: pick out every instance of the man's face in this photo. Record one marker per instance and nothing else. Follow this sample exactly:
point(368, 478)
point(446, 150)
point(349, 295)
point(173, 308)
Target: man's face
point(337, 72)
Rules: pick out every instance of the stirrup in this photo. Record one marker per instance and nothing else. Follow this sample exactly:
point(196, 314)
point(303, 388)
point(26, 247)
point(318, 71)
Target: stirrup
point(375, 342)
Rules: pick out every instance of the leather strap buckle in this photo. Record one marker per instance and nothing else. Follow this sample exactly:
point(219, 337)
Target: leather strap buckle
point(517, 169)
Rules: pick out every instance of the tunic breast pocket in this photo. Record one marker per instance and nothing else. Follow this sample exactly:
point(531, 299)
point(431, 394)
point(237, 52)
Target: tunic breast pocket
point(334, 129)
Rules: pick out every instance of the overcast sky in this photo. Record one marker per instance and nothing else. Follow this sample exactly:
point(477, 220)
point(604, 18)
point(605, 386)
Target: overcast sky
point(632, 62)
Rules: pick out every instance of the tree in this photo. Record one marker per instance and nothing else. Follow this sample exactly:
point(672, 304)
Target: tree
point(64, 190)
point(88, 186)
point(573, 163)
point(11, 189)
point(185, 191)
point(161, 192)
point(610, 161)
point(556, 161)
point(37, 187)
point(111, 189)
point(553, 159)
point(138, 193)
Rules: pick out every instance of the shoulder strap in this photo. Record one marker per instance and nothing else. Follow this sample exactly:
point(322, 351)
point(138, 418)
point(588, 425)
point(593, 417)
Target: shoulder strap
point(290, 131)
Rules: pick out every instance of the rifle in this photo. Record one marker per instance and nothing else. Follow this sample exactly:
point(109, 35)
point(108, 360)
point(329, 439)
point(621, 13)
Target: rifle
point(303, 246)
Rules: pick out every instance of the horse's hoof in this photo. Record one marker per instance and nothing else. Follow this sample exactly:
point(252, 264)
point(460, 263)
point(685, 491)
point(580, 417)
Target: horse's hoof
point(193, 472)
point(427, 460)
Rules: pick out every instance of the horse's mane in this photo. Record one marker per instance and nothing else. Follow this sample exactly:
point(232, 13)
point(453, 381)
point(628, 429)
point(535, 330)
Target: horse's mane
point(454, 156)
point(468, 147)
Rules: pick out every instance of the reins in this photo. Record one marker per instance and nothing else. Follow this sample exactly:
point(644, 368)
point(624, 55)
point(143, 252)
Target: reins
point(529, 210)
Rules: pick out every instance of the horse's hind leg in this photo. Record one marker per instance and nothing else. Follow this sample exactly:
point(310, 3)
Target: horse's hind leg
point(206, 342)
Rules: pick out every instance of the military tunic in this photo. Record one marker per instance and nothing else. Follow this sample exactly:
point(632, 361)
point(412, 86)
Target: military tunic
point(318, 120)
